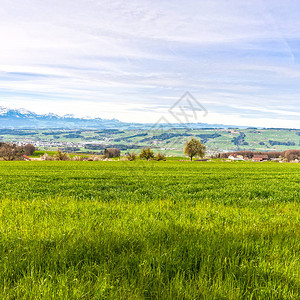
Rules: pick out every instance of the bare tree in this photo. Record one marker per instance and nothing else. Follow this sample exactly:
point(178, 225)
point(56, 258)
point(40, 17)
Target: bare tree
point(11, 152)
point(29, 149)
point(112, 152)
point(292, 154)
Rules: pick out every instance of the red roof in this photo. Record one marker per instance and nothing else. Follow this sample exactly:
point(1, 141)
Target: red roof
point(27, 157)
point(262, 156)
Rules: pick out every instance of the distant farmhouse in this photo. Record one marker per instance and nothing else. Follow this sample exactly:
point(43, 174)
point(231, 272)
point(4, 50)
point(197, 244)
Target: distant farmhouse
point(260, 157)
point(235, 157)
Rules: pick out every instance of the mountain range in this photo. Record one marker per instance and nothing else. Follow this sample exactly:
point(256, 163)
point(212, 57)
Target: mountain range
point(21, 118)
point(24, 119)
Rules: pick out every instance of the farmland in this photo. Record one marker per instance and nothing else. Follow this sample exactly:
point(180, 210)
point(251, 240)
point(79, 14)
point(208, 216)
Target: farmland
point(149, 230)
point(169, 141)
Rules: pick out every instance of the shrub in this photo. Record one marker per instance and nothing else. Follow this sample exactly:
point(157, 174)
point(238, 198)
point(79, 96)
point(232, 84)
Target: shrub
point(77, 158)
point(46, 156)
point(160, 156)
point(61, 156)
point(146, 154)
point(95, 158)
point(131, 156)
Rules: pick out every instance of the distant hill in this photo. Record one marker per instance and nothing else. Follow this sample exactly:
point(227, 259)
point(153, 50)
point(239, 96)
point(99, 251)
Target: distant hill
point(24, 119)
point(168, 141)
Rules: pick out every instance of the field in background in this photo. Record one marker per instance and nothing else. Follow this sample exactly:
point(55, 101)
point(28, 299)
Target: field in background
point(168, 141)
point(149, 230)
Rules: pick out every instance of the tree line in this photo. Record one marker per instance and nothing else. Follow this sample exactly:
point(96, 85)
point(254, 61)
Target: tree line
point(10, 151)
point(289, 155)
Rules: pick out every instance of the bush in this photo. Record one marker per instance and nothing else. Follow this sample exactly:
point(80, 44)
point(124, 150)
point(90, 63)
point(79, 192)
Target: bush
point(61, 156)
point(77, 158)
point(131, 156)
point(146, 154)
point(96, 157)
point(46, 156)
point(160, 156)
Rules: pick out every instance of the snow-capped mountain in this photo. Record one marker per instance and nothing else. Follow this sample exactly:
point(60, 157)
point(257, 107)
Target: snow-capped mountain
point(22, 118)
point(15, 113)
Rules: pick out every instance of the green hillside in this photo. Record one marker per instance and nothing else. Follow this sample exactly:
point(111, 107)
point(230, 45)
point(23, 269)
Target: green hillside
point(169, 141)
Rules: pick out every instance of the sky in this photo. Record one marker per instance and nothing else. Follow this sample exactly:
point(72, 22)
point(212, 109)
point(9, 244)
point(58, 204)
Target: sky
point(133, 60)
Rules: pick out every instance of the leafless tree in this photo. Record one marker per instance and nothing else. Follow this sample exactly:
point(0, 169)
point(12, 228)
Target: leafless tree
point(112, 152)
point(11, 152)
point(29, 149)
point(291, 155)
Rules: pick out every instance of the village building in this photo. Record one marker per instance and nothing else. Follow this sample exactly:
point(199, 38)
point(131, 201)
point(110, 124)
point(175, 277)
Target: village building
point(235, 157)
point(27, 158)
point(260, 157)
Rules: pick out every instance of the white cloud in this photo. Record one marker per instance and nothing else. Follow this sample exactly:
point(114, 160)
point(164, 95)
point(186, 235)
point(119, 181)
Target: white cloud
point(127, 55)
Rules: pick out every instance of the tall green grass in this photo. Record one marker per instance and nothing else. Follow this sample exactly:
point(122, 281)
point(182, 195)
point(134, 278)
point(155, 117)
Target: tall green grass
point(149, 230)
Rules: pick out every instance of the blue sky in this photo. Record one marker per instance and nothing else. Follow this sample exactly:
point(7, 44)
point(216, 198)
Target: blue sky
point(132, 60)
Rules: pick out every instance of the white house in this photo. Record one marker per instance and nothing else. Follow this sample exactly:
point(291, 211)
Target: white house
point(235, 157)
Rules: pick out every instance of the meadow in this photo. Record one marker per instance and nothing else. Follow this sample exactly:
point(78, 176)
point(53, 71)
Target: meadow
point(149, 230)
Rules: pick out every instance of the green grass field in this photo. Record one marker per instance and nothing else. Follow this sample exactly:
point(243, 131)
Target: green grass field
point(149, 230)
